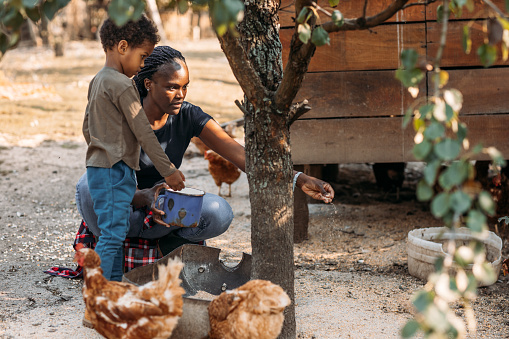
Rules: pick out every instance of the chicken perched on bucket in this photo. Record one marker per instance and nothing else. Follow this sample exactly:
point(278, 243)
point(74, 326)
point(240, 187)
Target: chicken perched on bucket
point(252, 311)
point(121, 310)
point(222, 171)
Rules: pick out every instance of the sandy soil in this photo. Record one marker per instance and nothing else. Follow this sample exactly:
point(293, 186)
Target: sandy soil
point(351, 275)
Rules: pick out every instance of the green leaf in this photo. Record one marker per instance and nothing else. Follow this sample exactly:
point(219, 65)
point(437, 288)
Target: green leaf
point(453, 98)
point(440, 13)
point(422, 300)
point(424, 192)
point(439, 264)
point(320, 37)
point(302, 15)
point(182, 6)
point(16, 4)
point(440, 205)
point(426, 110)
point(448, 149)
point(496, 156)
point(505, 219)
point(410, 77)
point(486, 202)
point(4, 44)
point(476, 221)
point(449, 112)
point(50, 8)
point(488, 54)
point(460, 202)
point(485, 273)
point(13, 19)
point(304, 31)
point(430, 172)
point(454, 175)
point(409, 58)
point(462, 132)
point(33, 14)
point(422, 150)
point(410, 328)
point(434, 131)
point(30, 3)
point(333, 3)
point(337, 18)
point(470, 5)
point(507, 5)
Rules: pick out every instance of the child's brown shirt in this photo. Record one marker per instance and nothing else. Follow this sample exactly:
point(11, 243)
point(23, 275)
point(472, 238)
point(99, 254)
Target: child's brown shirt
point(115, 125)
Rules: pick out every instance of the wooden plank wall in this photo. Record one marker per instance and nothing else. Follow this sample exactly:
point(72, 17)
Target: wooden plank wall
point(358, 104)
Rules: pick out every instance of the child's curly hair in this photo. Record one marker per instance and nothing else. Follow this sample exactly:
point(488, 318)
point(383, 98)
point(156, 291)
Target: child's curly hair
point(134, 32)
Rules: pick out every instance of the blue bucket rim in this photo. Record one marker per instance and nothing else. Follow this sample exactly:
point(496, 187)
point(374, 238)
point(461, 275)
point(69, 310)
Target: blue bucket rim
point(199, 194)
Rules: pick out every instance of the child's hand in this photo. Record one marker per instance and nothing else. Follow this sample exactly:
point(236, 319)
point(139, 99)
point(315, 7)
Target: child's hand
point(176, 181)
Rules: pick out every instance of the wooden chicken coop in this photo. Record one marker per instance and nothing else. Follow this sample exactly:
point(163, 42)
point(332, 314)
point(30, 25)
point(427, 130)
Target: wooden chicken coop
point(358, 105)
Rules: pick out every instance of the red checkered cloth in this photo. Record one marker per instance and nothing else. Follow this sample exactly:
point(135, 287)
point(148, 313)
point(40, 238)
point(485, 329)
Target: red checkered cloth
point(138, 252)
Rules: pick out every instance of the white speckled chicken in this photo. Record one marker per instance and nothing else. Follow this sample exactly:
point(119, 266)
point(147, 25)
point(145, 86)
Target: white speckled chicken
point(252, 311)
point(121, 310)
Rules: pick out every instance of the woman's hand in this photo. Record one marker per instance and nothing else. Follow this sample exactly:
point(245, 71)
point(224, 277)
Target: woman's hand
point(315, 188)
point(148, 197)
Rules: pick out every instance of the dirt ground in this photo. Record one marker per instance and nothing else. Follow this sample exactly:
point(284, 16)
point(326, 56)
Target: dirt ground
point(351, 275)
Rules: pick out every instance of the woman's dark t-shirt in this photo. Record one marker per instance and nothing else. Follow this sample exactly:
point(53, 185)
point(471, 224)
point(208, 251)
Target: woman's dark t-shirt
point(174, 138)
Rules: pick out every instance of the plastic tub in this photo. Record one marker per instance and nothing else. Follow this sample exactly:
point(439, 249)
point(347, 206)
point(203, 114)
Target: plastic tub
point(425, 245)
point(182, 208)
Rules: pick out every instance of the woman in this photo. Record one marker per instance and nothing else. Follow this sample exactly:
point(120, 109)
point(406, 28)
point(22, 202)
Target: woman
point(162, 84)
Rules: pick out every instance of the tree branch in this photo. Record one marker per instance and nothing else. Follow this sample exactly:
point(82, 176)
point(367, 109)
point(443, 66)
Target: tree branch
point(242, 68)
point(369, 22)
point(297, 110)
point(426, 3)
point(495, 8)
point(297, 65)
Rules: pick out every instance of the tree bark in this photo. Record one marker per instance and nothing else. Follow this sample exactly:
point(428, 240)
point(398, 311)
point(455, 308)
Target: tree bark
point(255, 57)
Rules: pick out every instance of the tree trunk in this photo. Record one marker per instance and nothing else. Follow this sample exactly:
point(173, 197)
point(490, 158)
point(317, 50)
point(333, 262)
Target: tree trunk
point(269, 174)
point(268, 158)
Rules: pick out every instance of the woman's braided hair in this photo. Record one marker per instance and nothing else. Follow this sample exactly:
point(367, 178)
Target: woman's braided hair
point(161, 55)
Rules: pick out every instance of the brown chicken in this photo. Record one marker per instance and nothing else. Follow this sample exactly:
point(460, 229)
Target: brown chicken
point(222, 171)
point(252, 311)
point(202, 148)
point(121, 310)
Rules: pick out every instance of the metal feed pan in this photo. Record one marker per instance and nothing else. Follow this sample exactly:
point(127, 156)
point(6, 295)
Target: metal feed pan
point(202, 272)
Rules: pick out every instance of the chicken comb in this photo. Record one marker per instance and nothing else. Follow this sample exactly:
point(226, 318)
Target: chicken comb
point(79, 246)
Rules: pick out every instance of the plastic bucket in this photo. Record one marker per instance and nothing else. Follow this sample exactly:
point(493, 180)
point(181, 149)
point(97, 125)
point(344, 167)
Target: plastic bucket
point(182, 208)
point(425, 245)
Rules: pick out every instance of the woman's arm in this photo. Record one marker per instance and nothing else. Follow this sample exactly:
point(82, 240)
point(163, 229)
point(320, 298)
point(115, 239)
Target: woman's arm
point(219, 141)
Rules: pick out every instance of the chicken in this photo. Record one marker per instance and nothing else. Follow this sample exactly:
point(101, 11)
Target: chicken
point(505, 266)
point(202, 148)
point(252, 311)
point(121, 310)
point(222, 171)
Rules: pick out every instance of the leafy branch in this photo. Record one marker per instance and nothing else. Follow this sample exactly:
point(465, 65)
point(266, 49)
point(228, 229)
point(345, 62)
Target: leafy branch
point(449, 185)
point(225, 14)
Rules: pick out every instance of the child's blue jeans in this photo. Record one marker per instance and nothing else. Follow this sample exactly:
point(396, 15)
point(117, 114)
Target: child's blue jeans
point(112, 190)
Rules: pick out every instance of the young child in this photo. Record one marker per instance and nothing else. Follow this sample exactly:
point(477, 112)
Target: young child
point(114, 127)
